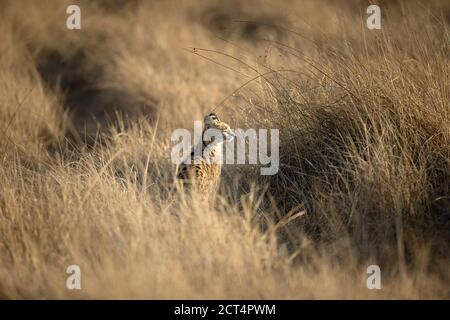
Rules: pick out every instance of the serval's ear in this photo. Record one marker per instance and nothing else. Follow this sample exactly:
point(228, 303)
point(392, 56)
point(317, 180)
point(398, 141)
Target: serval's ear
point(213, 116)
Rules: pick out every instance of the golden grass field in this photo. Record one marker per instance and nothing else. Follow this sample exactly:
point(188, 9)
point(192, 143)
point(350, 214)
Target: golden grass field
point(86, 177)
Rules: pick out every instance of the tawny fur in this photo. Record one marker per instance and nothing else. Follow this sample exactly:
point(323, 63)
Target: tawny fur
point(203, 173)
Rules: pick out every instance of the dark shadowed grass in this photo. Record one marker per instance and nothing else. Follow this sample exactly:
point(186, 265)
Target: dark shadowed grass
point(367, 153)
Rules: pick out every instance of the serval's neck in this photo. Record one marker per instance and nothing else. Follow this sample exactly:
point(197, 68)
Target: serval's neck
point(211, 149)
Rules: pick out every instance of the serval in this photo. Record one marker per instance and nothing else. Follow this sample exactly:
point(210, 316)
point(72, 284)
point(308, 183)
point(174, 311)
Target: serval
point(203, 171)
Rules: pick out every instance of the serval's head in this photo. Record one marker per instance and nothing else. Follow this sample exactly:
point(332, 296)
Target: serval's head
point(212, 121)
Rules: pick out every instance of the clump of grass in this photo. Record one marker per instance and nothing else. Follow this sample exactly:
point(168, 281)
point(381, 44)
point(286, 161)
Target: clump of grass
point(368, 152)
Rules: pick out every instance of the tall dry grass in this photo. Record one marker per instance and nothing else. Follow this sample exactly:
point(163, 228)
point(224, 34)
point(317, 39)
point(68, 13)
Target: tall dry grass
point(86, 176)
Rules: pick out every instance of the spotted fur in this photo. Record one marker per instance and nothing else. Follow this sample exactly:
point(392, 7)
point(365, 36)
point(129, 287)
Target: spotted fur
point(203, 173)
